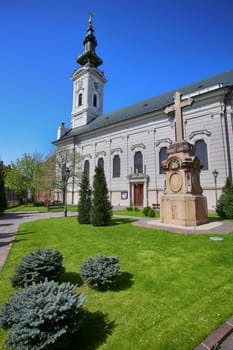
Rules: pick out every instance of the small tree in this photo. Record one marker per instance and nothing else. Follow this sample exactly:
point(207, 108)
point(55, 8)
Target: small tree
point(24, 176)
point(3, 201)
point(37, 266)
point(101, 209)
point(84, 204)
point(66, 159)
point(42, 316)
point(225, 203)
point(101, 271)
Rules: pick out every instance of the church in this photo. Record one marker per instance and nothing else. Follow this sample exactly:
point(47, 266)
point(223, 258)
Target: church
point(131, 143)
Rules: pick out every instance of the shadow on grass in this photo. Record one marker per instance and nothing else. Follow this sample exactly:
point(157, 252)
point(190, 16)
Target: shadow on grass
point(93, 332)
point(22, 233)
point(120, 221)
point(71, 277)
point(123, 281)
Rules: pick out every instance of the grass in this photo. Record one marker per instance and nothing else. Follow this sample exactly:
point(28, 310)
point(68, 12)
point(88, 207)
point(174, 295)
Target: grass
point(41, 209)
point(174, 289)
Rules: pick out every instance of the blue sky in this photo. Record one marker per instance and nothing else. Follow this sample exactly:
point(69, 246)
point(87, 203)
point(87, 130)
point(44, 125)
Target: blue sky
point(148, 47)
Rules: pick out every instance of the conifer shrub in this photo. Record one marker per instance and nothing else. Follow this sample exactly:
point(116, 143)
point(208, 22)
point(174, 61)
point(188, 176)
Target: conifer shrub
point(84, 204)
point(36, 266)
point(101, 271)
point(101, 209)
point(146, 210)
point(42, 316)
point(225, 203)
point(151, 213)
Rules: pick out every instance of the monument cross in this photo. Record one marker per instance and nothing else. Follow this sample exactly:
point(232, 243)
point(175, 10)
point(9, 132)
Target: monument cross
point(177, 107)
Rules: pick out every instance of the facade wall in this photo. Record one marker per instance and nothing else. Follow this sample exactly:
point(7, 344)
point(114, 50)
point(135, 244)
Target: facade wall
point(205, 120)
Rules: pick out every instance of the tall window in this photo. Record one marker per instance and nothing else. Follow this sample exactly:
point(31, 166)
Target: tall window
point(80, 99)
point(162, 157)
point(116, 166)
point(138, 162)
point(200, 149)
point(101, 162)
point(87, 167)
point(95, 100)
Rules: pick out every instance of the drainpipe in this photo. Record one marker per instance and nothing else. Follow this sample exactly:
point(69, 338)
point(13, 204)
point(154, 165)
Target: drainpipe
point(228, 148)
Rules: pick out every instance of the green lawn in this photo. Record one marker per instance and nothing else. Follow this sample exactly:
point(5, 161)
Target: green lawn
point(174, 289)
point(41, 209)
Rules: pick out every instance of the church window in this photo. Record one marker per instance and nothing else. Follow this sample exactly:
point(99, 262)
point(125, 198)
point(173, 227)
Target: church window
point(101, 162)
point(162, 157)
point(200, 149)
point(87, 167)
point(138, 163)
point(95, 100)
point(116, 166)
point(80, 99)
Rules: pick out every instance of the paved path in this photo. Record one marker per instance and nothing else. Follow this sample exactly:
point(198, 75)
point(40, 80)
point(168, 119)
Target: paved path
point(9, 224)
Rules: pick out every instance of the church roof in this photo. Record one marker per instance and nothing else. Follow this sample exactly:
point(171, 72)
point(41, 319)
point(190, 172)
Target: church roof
point(149, 105)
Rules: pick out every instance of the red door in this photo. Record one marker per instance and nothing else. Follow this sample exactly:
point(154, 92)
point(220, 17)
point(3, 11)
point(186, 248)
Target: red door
point(138, 195)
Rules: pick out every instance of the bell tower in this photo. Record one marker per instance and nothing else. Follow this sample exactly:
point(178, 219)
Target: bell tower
point(88, 82)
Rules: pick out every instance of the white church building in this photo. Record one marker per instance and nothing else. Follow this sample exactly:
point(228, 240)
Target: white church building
point(130, 143)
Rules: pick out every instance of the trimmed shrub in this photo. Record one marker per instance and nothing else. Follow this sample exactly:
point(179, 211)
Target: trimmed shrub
point(225, 204)
point(38, 204)
point(101, 271)
point(42, 316)
point(146, 210)
point(136, 209)
point(36, 266)
point(84, 204)
point(151, 213)
point(129, 208)
point(101, 209)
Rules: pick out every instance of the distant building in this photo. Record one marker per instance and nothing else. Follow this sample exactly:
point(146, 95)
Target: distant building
point(131, 143)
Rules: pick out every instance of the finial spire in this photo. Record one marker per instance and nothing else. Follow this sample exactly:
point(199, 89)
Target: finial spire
point(89, 56)
point(90, 18)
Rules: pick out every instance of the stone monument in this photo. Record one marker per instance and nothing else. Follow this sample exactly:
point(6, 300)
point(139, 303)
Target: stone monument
point(182, 202)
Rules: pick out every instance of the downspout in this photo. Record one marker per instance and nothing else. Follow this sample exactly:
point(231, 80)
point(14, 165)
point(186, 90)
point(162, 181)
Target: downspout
point(72, 200)
point(228, 148)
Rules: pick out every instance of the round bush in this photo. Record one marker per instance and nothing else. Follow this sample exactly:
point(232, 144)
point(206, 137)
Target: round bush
point(146, 210)
point(101, 271)
point(225, 203)
point(36, 266)
point(42, 315)
point(151, 213)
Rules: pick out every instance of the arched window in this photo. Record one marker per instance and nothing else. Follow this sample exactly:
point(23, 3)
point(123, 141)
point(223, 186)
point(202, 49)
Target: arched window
point(138, 163)
point(101, 162)
point(200, 149)
point(95, 100)
point(80, 99)
point(116, 166)
point(87, 167)
point(162, 157)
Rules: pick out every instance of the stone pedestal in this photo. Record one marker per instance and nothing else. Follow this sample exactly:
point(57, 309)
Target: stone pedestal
point(184, 210)
point(183, 203)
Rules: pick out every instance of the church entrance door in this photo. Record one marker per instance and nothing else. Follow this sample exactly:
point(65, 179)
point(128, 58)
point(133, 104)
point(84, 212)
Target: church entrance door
point(138, 195)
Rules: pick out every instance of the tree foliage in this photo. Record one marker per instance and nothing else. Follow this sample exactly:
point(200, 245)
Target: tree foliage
point(42, 316)
point(101, 209)
point(84, 204)
point(37, 266)
point(24, 176)
point(3, 201)
point(225, 202)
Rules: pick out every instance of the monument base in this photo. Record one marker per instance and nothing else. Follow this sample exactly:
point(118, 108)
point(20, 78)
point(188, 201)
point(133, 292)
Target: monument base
point(183, 209)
